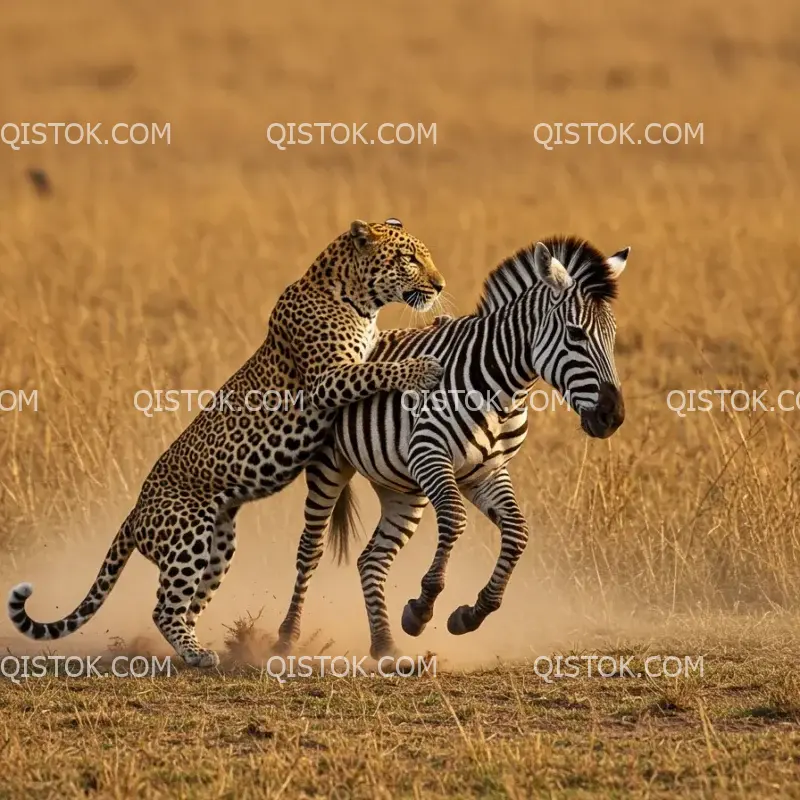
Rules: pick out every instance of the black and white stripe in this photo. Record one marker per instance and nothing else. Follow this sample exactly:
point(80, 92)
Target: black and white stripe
point(545, 312)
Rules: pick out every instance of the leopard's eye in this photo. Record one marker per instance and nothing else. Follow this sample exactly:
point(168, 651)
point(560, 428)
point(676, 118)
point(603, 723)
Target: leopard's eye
point(406, 259)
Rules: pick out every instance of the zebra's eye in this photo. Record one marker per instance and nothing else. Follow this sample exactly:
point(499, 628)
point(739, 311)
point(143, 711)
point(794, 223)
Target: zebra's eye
point(577, 333)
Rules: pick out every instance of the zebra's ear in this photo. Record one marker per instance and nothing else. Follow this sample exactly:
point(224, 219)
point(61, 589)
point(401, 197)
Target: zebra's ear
point(550, 270)
point(617, 262)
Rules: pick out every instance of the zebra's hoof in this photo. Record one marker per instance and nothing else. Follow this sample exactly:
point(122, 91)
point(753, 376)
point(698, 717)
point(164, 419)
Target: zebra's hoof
point(282, 648)
point(202, 658)
point(385, 650)
point(412, 623)
point(462, 621)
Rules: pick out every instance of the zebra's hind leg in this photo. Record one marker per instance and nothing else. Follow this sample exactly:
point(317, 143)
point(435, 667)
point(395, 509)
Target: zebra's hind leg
point(495, 498)
point(326, 478)
point(432, 469)
point(400, 516)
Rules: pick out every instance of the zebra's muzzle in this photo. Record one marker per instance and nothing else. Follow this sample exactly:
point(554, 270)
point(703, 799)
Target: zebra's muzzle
point(609, 413)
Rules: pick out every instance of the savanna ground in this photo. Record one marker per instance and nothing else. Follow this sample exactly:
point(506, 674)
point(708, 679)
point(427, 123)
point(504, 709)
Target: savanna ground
point(156, 267)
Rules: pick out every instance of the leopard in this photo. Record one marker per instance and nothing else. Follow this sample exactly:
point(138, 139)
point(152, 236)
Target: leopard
point(248, 446)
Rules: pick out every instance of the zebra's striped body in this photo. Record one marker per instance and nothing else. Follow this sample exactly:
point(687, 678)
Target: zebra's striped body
point(467, 416)
point(545, 313)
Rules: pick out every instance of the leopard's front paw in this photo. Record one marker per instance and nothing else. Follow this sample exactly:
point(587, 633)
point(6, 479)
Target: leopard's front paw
point(427, 373)
point(441, 319)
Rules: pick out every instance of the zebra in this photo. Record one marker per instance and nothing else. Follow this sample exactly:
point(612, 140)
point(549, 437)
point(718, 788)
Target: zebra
point(545, 312)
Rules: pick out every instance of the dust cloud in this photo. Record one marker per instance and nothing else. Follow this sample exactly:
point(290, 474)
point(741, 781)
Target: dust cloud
point(536, 618)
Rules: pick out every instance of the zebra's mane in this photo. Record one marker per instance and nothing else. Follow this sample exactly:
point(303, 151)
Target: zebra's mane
point(584, 262)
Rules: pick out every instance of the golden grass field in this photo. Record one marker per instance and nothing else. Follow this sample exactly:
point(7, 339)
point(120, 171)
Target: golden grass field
point(156, 267)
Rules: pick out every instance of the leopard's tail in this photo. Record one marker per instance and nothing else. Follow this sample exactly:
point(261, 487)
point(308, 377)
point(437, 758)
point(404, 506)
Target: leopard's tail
point(116, 558)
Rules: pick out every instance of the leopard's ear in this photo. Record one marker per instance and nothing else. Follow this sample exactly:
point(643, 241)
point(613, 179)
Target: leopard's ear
point(362, 234)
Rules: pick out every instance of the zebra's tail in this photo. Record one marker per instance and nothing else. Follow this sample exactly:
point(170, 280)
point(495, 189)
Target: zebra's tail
point(345, 525)
point(116, 558)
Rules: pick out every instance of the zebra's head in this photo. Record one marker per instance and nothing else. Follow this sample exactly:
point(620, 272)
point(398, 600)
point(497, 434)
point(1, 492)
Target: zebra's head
point(574, 342)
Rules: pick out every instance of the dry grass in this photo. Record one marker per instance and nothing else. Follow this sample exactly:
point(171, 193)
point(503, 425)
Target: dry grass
point(156, 267)
point(490, 733)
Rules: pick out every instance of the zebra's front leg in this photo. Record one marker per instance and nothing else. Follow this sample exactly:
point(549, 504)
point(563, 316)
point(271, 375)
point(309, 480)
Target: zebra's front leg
point(495, 498)
point(432, 469)
point(400, 516)
point(326, 478)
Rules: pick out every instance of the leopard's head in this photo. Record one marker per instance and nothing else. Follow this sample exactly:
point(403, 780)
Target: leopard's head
point(394, 266)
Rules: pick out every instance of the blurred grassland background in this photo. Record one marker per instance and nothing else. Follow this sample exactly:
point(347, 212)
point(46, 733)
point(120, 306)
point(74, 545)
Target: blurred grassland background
point(156, 267)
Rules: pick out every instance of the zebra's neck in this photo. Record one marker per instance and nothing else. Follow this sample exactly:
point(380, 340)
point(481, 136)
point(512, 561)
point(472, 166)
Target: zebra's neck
point(507, 346)
point(490, 352)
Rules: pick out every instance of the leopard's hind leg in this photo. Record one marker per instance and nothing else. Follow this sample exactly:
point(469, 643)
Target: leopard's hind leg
point(189, 531)
point(223, 547)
